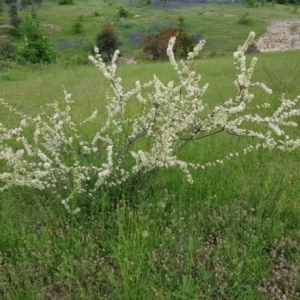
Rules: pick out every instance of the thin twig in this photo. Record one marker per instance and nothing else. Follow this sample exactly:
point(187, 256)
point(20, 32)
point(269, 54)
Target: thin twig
point(187, 140)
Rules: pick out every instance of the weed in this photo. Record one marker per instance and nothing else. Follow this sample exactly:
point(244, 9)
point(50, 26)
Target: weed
point(123, 13)
point(293, 29)
point(282, 82)
point(295, 10)
point(77, 28)
point(245, 19)
point(180, 21)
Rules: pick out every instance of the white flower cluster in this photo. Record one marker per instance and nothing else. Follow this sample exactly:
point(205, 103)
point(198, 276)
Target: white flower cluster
point(271, 130)
point(131, 146)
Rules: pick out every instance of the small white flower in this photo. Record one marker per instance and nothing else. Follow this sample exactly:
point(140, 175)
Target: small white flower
point(96, 49)
point(162, 204)
point(46, 165)
point(145, 233)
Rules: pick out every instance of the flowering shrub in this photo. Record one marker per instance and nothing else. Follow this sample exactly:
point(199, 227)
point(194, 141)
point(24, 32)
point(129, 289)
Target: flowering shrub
point(130, 147)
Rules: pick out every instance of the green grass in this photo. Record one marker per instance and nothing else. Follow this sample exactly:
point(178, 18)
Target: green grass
point(233, 234)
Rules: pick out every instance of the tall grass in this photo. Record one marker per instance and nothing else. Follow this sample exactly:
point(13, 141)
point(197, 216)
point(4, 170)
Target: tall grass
point(282, 80)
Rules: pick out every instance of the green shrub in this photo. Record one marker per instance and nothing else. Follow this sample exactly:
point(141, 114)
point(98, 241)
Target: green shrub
point(245, 19)
point(155, 45)
point(36, 48)
point(123, 13)
point(77, 28)
point(107, 41)
point(63, 2)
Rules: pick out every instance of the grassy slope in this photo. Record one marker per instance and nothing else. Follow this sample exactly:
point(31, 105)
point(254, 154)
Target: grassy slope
point(213, 240)
point(217, 23)
point(199, 20)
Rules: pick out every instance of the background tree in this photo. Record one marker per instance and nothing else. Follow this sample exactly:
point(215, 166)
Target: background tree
point(1, 5)
point(107, 41)
point(34, 5)
point(13, 9)
point(9, 2)
point(13, 15)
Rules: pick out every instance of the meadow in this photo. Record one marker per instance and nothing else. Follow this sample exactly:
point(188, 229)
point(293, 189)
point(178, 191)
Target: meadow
point(232, 234)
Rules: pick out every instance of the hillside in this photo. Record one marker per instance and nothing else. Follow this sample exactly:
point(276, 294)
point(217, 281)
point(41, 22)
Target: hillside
point(222, 25)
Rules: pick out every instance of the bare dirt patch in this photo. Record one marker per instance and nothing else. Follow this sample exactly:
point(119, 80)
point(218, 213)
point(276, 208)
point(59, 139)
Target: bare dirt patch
point(6, 26)
point(280, 36)
point(53, 28)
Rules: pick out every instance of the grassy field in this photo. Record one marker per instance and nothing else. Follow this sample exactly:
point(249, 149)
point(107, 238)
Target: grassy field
point(233, 234)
